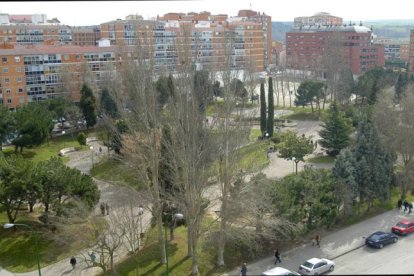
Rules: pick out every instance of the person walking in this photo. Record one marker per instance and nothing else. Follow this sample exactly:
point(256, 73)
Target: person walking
point(107, 208)
point(277, 256)
point(318, 240)
point(410, 207)
point(102, 206)
point(243, 269)
point(405, 204)
point(399, 204)
point(73, 262)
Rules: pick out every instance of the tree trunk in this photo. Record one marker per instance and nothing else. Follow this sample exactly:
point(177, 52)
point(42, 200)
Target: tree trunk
point(195, 253)
point(161, 238)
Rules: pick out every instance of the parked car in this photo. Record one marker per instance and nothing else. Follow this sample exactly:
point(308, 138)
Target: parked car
point(379, 239)
point(316, 266)
point(279, 271)
point(404, 227)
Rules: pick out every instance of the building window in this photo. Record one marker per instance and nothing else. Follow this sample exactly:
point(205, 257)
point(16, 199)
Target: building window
point(7, 80)
point(4, 59)
point(17, 59)
point(19, 69)
point(20, 90)
point(8, 91)
point(9, 101)
point(19, 79)
point(66, 57)
point(5, 69)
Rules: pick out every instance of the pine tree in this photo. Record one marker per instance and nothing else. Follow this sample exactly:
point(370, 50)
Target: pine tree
point(262, 109)
point(335, 131)
point(88, 105)
point(270, 109)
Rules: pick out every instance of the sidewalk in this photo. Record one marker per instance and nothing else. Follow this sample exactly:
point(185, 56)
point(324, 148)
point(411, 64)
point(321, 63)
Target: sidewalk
point(333, 246)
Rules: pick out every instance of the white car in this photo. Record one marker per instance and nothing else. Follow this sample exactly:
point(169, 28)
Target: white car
point(316, 266)
point(278, 271)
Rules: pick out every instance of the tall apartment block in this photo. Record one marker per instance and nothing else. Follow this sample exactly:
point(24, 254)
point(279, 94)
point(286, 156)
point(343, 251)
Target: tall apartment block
point(206, 35)
point(313, 47)
point(322, 18)
point(33, 73)
point(41, 58)
point(411, 54)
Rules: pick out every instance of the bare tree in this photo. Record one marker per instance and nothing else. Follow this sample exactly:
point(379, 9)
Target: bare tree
point(105, 244)
point(139, 109)
point(396, 124)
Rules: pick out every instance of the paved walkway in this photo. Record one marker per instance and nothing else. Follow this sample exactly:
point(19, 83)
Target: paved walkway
point(116, 196)
point(333, 245)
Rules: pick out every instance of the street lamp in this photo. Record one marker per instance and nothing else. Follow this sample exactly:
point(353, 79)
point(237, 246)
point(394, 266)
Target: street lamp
point(91, 148)
point(177, 216)
point(140, 213)
point(294, 160)
point(10, 225)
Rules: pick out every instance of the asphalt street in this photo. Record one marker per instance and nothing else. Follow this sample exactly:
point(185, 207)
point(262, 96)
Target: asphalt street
point(346, 248)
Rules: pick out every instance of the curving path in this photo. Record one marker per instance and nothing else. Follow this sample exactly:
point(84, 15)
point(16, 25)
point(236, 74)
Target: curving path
point(114, 195)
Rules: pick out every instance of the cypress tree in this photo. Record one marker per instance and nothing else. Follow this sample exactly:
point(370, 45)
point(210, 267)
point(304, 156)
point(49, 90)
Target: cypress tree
point(270, 109)
point(262, 109)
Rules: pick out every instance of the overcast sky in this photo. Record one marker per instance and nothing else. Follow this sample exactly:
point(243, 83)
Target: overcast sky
point(79, 13)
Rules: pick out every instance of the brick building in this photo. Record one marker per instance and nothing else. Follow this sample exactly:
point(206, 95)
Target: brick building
point(313, 47)
point(411, 54)
point(32, 73)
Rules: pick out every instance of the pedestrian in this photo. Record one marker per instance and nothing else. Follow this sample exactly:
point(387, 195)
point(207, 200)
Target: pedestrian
point(277, 256)
point(405, 204)
point(73, 262)
point(107, 208)
point(318, 240)
point(410, 207)
point(243, 269)
point(399, 204)
point(100, 150)
point(316, 144)
point(102, 206)
point(93, 257)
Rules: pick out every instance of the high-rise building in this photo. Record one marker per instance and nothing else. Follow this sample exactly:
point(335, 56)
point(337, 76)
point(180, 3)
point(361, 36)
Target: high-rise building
point(314, 47)
point(411, 54)
point(321, 18)
point(33, 73)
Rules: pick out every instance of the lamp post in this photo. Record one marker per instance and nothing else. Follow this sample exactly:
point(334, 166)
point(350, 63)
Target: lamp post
point(140, 213)
point(91, 148)
point(176, 216)
point(294, 161)
point(10, 225)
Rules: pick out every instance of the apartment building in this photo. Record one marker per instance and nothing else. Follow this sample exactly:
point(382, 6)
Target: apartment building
point(86, 35)
point(321, 18)
point(395, 52)
point(411, 54)
point(205, 34)
point(32, 73)
point(314, 47)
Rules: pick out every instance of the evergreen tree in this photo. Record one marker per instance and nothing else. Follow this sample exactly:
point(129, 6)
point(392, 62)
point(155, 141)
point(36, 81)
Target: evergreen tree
point(270, 109)
point(374, 164)
point(88, 105)
point(335, 132)
point(262, 109)
point(108, 104)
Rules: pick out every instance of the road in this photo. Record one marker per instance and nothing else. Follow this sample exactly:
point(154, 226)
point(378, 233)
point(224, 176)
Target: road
point(392, 259)
point(346, 248)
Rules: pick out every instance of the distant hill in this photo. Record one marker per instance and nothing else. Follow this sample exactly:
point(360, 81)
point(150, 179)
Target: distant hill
point(279, 30)
point(391, 28)
point(387, 28)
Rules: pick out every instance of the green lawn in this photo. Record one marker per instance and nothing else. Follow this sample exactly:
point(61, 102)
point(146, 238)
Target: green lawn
point(147, 261)
point(49, 148)
point(17, 248)
point(302, 114)
point(113, 170)
point(321, 159)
